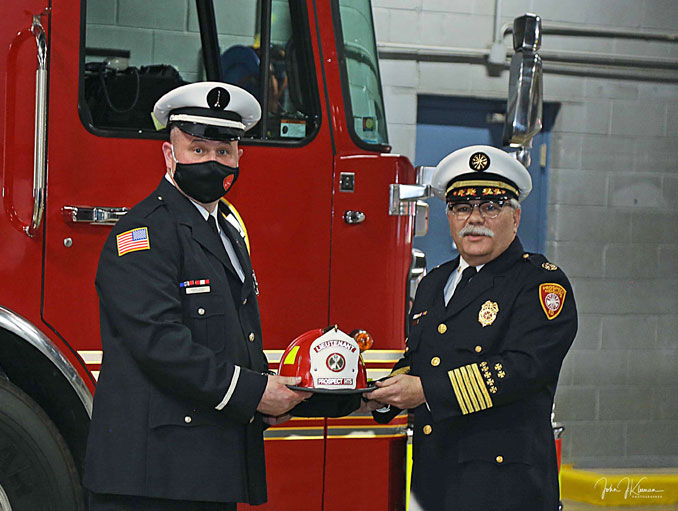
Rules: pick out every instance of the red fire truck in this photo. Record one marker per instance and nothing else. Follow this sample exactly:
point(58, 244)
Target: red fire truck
point(330, 215)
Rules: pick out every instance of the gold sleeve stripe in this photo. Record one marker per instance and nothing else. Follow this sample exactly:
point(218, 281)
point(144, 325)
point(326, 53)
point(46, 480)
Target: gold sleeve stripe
point(481, 384)
point(457, 393)
point(474, 385)
point(469, 388)
point(401, 370)
point(462, 388)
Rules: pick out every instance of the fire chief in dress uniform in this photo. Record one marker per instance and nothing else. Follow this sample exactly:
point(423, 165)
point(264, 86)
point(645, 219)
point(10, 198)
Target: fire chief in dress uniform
point(183, 395)
point(488, 334)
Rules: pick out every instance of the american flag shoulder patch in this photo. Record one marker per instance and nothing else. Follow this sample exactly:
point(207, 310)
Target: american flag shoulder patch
point(133, 240)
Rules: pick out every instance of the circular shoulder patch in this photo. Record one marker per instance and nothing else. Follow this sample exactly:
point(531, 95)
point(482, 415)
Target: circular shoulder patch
point(218, 98)
point(549, 266)
point(479, 161)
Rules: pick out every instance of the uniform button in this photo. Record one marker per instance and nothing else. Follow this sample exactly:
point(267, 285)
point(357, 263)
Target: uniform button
point(251, 337)
point(435, 361)
point(244, 301)
point(159, 197)
point(201, 311)
point(442, 328)
point(526, 255)
point(187, 419)
point(500, 459)
point(427, 429)
point(478, 348)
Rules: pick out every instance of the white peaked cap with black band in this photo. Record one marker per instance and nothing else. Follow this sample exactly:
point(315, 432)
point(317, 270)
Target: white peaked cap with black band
point(211, 110)
point(480, 172)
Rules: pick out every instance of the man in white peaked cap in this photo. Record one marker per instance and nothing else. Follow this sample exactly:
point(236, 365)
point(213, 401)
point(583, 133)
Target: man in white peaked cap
point(488, 334)
point(183, 394)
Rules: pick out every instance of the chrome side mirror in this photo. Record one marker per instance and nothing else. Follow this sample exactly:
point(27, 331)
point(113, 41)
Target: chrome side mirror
point(524, 106)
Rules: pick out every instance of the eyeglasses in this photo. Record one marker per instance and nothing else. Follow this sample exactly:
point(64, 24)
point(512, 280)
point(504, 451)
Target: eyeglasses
point(488, 209)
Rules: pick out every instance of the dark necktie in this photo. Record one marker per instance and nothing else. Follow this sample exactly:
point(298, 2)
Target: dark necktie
point(213, 225)
point(466, 275)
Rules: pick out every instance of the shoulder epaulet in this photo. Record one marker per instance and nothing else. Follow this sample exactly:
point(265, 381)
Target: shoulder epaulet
point(141, 210)
point(441, 266)
point(232, 216)
point(539, 261)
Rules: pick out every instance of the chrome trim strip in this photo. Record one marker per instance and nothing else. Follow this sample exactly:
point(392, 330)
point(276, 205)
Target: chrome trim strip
point(382, 356)
point(273, 435)
point(377, 374)
point(312, 433)
point(92, 357)
point(22, 328)
point(5, 505)
point(274, 356)
point(369, 356)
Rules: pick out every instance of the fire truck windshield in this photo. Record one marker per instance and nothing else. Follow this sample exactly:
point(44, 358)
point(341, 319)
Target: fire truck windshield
point(365, 104)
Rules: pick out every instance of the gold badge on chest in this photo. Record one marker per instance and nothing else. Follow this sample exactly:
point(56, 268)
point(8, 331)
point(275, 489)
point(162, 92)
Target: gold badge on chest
point(488, 313)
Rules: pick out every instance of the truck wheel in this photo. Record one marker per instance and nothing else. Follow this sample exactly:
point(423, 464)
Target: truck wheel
point(36, 467)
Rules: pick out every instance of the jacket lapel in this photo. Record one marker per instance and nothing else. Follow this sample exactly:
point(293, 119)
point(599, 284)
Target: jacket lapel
point(240, 250)
point(205, 236)
point(476, 286)
point(486, 278)
point(188, 215)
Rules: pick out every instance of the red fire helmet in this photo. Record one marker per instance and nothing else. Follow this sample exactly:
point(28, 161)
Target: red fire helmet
point(331, 367)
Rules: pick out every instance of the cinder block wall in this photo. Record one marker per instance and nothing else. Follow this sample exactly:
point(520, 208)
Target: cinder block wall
point(613, 206)
point(167, 31)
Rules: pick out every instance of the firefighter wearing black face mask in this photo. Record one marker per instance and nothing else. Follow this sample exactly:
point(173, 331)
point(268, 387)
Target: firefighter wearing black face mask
point(183, 395)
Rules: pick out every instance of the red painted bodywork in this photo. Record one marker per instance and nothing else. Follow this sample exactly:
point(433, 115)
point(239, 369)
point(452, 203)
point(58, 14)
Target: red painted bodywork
point(313, 268)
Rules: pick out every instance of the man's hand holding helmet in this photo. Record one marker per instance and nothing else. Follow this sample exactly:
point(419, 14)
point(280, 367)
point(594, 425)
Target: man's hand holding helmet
point(278, 398)
point(403, 391)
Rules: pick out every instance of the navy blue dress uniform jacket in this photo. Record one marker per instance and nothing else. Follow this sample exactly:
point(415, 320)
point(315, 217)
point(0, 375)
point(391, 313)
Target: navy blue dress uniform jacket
point(171, 357)
point(489, 365)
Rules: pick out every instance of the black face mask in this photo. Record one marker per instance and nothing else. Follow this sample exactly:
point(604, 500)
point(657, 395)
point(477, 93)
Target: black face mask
point(205, 181)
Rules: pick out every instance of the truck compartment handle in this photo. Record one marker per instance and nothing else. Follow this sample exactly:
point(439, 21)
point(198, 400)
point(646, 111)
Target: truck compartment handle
point(95, 215)
point(354, 217)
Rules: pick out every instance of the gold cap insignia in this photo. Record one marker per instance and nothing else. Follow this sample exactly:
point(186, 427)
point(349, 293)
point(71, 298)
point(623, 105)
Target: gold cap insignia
point(488, 313)
point(549, 266)
point(479, 161)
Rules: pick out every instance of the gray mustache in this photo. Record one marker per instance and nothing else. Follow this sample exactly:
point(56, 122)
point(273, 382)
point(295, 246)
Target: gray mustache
point(476, 230)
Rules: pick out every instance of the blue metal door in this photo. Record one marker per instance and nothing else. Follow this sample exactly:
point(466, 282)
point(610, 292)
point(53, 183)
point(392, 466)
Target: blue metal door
point(445, 124)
